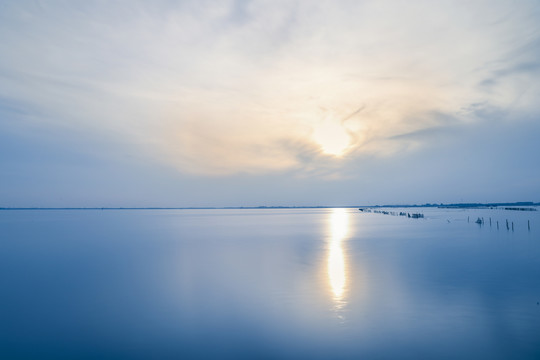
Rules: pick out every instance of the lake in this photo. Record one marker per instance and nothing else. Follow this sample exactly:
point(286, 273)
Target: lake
point(269, 283)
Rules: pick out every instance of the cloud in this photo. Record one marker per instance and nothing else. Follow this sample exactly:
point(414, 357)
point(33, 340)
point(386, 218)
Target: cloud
point(227, 87)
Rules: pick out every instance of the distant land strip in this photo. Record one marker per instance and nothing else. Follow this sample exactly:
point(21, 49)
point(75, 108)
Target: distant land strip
point(447, 206)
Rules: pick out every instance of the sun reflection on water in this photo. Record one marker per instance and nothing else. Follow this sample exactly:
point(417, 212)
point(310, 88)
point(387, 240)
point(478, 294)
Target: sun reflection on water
point(337, 275)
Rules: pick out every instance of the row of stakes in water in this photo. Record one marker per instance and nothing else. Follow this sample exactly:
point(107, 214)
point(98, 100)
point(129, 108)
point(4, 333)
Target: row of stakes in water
point(394, 213)
point(480, 221)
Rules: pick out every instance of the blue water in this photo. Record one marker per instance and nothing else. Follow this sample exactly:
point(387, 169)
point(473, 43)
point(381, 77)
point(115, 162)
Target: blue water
point(269, 283)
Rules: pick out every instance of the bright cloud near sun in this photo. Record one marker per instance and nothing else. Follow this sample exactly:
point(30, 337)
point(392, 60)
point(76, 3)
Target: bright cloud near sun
point(222, 87)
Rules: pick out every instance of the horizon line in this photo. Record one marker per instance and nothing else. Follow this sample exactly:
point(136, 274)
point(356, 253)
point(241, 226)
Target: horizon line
point(521, 203)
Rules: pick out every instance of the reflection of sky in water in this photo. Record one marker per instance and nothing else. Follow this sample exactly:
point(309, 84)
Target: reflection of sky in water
point(268, 283)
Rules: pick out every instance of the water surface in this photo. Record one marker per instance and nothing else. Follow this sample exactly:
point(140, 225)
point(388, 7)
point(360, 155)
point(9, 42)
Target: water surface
point(269, 283)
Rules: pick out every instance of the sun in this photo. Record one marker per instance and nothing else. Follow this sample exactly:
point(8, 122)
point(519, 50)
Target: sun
point(332, 137)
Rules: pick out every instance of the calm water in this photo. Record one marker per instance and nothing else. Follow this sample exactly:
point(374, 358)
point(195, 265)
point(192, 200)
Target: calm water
point(302, 283)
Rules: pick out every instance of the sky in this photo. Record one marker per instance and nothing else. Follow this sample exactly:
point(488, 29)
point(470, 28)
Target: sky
point(268, 103)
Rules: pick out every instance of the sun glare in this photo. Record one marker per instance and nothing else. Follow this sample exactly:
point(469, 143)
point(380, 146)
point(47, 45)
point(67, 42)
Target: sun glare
point(332, 137)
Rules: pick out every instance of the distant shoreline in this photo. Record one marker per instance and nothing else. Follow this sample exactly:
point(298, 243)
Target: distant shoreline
point(446, 206)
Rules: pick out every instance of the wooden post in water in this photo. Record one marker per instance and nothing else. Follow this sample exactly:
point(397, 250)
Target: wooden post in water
point(529, 224)
point(512, 226)
point(507, 227)
point(497, 224)
point(489, 222)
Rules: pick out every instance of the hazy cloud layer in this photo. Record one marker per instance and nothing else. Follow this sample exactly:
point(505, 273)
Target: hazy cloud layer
point(302, 88)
